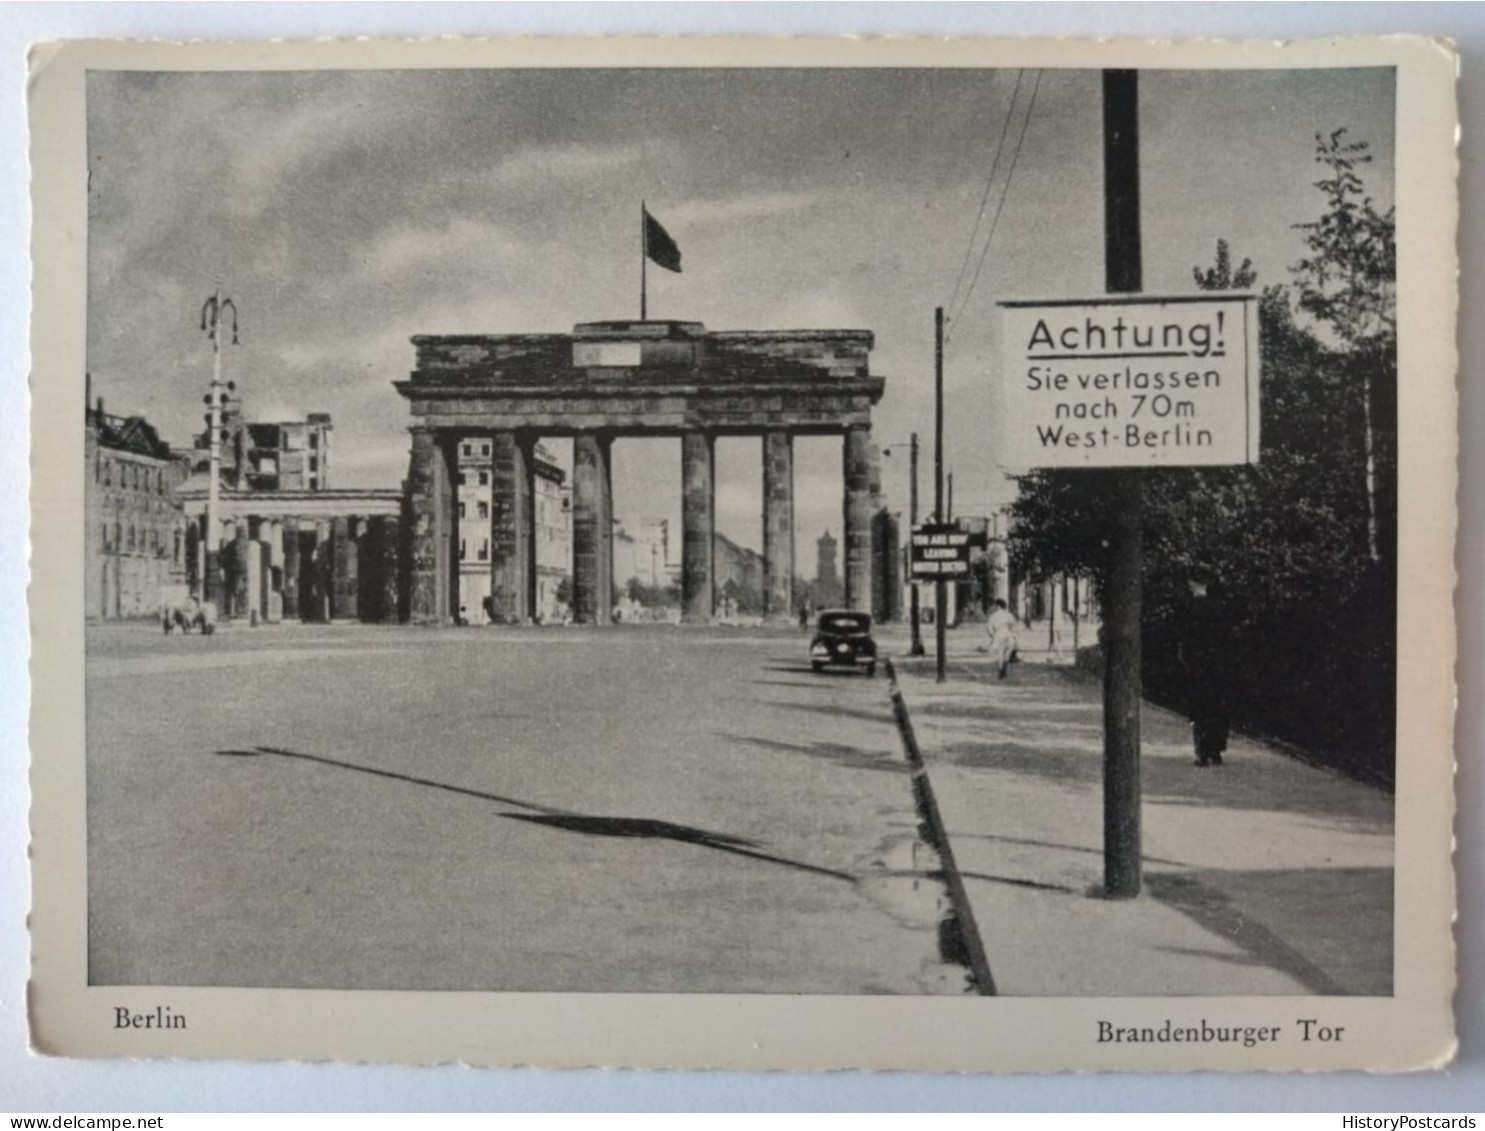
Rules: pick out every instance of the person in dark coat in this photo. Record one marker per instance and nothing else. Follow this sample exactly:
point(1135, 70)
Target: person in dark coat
point(1206, 658)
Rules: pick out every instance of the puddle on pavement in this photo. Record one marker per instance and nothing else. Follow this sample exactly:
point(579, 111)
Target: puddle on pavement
point(903, 880)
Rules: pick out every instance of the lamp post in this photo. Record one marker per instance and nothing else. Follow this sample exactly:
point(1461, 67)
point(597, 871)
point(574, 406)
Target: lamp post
point(213, 312)
point(940, 594)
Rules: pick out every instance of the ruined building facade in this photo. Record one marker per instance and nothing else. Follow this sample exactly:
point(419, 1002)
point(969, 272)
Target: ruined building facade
point(134, 534)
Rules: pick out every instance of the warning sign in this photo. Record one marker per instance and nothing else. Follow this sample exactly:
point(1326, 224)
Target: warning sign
point(1129, 382)
point(940, 551)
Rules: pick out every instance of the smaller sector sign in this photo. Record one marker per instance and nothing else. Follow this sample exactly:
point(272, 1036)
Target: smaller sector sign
point(940, 552)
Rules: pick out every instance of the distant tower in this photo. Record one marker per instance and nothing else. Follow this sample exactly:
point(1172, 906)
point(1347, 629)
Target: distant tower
point(827, 576)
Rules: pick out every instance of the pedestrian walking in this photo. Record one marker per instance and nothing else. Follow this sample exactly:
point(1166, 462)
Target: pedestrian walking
point(1206, 659)
point(1001, 626)
point(804, 618)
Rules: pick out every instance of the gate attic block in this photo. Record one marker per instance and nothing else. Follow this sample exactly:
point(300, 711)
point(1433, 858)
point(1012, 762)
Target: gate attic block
point(607, 380)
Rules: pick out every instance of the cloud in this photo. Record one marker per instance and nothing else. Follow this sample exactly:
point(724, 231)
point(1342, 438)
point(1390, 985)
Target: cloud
point(544, 166)
point(282, 143)
point(752, 206)
point(338, 361)
point(830, 306)
point(459, 242)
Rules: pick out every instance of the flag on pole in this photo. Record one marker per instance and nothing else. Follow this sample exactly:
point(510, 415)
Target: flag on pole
point(659, 246)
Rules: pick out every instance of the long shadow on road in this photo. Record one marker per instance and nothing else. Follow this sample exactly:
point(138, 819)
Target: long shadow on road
point(842, 755)
point(881, 716)
point(549, 817)
point(805, 670)
point(1059, 846)
point(1075, 761)
point(1260, 910)
point(1010, 730)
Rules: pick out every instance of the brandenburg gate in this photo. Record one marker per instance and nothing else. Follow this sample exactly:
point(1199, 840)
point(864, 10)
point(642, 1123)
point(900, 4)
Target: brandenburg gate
point(608, 380)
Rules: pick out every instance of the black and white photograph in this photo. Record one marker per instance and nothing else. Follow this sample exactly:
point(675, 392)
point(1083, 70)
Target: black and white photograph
point(771, 533)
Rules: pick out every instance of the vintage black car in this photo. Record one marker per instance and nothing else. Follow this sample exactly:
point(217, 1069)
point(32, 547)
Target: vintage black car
point(843, 639)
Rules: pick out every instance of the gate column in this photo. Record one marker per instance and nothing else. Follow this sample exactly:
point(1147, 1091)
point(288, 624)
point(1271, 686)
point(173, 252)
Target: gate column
point(386, 533)
point(262, 567)
point(510, 529)
point(345, 564)
point(698, 527)
point(858, 510)
point(291, 570)
point(430, 501)
point(315, 545)
point(592, 530)
point(253, 609)
point(275, 570)
point(342, 568)
point(240, 560)
point(778, 526)
point(533, 535)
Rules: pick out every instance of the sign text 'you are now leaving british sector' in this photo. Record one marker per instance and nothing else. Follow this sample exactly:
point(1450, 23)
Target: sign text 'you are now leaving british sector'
point(1129, 382)
point(940, 551)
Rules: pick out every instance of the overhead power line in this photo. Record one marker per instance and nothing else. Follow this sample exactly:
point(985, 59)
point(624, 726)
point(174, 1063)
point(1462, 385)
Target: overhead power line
point(1004, 193)
point(969, 247)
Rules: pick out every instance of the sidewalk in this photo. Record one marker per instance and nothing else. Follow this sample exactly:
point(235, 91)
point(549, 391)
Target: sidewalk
point(1262, 876)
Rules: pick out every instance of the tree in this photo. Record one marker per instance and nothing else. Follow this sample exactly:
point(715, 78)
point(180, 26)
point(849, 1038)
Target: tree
point(1222, 277)
point(743, 599)
point(1285, 538)
point(653, 596)
point(1348, 283)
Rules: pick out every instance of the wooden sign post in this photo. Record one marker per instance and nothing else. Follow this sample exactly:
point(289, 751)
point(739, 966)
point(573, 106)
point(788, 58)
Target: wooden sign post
point(1120, 383)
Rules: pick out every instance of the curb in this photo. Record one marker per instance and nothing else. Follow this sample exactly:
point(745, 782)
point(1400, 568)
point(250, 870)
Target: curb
point(962, 934)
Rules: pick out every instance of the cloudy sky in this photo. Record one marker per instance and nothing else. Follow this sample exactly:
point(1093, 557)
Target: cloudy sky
point(345, 212)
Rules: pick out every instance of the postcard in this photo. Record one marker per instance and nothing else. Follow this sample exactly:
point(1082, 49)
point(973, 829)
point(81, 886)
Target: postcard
point(742, 553)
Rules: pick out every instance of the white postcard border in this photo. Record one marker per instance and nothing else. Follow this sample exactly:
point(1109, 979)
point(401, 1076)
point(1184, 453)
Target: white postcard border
point(1413, 1029)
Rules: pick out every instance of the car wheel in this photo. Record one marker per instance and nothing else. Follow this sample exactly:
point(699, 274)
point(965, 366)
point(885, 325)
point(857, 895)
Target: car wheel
point(871, 670)
point(819, 667)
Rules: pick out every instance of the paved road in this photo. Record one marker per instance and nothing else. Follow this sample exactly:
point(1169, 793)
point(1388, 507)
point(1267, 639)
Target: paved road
point(559, 809)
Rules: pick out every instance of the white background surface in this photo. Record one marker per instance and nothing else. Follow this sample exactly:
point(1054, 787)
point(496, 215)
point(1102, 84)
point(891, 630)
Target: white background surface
point(28, 1083)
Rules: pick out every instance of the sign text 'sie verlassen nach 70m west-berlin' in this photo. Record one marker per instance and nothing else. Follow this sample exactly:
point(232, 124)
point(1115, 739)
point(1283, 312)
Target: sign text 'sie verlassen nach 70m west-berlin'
point(1129, 382)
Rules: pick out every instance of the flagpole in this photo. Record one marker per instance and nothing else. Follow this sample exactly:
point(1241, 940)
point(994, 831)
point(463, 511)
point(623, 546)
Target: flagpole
point(644, 253)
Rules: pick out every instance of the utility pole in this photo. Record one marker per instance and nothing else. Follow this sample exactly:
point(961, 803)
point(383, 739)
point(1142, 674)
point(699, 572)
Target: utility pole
point(1121, 676)
point(949, 518)
point(916, 648)
point(212, 314)
point(940, 594)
